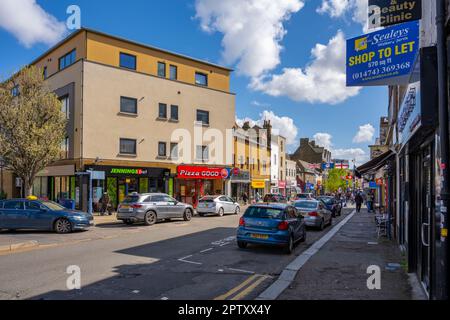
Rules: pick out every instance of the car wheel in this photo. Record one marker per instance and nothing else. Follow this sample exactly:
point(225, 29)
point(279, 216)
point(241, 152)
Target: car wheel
point(238, 210)
point(150, 218)
point(221, 212)
point(290, 246)
point(242, 244)
point(322, 225)
point(63, 226)
point(187, 215)
point(128, 222)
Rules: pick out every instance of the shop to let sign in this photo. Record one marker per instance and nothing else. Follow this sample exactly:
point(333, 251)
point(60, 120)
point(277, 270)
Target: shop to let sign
point(193, 172)
point(384, 13)
point(384, 57)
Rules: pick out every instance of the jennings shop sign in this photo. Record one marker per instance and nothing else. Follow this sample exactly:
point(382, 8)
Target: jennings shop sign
point(384, 13)
point(384, 57)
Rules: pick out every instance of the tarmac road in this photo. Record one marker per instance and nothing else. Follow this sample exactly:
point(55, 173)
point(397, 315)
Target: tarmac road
point(169, 261)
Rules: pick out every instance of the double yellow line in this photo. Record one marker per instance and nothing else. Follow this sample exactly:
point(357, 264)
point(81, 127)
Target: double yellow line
point(243, 289)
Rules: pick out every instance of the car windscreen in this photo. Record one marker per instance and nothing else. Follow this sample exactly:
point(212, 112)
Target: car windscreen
point(303, 196)
point(306, 205)
point(327, 200)
point(264, 212)
point(207, 199)
point(131, 199)
point(53, 206)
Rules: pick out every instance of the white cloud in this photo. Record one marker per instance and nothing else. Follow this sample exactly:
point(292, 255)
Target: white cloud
point(284, 126)
point(334, 8)
point(259, 104)
point(365, 134)
point(322, 81)
point(252, 30)
point(323, 140)
point(29, 23)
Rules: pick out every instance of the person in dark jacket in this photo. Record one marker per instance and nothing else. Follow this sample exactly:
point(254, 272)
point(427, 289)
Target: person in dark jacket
point(358, 200)
point(245, 198)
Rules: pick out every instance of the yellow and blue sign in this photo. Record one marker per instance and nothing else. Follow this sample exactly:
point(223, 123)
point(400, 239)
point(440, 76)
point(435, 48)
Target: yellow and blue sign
point(384, 57)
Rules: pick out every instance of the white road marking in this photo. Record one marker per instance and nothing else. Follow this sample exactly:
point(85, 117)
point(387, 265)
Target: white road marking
point(206, 250)
point(240, 270)
point(224, 244)
point(164, 298)
point(188, 261)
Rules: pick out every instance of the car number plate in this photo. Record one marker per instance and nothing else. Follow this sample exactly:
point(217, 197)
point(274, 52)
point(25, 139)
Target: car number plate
point(260, 236)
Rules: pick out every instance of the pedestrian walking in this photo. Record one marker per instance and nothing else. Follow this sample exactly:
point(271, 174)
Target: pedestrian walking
point(370, 201)
point(245, 198)
point(105, 200)
point(257, 197)
point(358, 200)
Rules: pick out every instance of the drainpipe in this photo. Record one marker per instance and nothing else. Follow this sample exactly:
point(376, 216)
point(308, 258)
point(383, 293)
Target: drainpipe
point(443, 121)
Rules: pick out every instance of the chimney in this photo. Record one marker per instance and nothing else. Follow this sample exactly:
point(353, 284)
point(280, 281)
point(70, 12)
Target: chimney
point(246, 125)
point(304, 141)
point(313, 143)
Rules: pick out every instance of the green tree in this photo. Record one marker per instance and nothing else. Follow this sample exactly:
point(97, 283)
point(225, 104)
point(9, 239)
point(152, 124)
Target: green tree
point(334, 180)
point(32, 125)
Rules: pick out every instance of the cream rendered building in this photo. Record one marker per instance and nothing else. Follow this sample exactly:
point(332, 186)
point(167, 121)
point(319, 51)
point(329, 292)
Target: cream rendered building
point(124, 102)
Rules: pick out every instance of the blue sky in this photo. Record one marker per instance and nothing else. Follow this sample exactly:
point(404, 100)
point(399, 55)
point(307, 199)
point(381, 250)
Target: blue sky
point(181, 26)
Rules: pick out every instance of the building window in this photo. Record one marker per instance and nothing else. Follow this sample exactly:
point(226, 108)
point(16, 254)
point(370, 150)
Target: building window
point(202, 153)
point(44, 73)
point(64, 154)
point(15, 91)
point(128, 105)
point(161, 69)
point(173, 72)
point(127, 61)
point(162, 111)
point(201, 79)
point(174, 112)
point(162, 152)
point(67, 59)
point(128, 146)
point(203, 117)
point(174, 151)
point(65, 107)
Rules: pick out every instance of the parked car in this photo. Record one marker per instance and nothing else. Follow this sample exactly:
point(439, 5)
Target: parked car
point(219, 205)
point(274, 198)
point(34, 214)
point(332, 204)
point(271, 224)
point(304, 196)
point(315, 213)
point(152, 207)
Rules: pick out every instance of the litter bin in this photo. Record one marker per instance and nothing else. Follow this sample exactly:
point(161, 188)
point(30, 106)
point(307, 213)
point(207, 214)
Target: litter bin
point(69, 204)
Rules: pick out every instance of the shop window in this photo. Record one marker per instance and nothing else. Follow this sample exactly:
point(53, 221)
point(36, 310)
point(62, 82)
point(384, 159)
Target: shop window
point(67, 59)
point(127, 61)
point(128, 146)
point(162, 111)
point(161, 69)
point(128, 105)
point(162, 152)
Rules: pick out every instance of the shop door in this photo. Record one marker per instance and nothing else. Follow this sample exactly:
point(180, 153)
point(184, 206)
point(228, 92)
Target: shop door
point(425, 216)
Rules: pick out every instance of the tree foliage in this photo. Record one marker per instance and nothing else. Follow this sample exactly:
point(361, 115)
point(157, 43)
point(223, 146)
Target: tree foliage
point(32, 125)
point(334, 180)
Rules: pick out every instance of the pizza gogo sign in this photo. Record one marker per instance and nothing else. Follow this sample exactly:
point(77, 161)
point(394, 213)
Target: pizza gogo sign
point(193, 172)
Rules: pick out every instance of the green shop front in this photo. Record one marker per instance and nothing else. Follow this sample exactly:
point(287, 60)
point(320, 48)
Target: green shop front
point(122, 181)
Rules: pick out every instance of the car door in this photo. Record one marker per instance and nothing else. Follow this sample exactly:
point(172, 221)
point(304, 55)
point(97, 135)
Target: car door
point(291, 216)
point(224, 204)
point(161, 205)
point(173, 209)
point(38, 216)
point(324, 212)
point(15, 215)
point(232, 205)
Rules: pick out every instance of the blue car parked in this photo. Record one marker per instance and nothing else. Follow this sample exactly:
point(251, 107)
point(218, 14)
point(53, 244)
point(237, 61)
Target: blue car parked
point(271, 224)
point(33, 214)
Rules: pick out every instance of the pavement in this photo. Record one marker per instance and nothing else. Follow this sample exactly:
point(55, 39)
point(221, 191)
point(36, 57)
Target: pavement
point(339, 270)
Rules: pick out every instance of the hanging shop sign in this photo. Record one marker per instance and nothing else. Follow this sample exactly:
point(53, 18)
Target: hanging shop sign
point(383, 13)
point(241, 176)
point(384, 57)
point(373, 185)
point(282, 184)
point(198, 172)
point(258, 184)
point(326, 166)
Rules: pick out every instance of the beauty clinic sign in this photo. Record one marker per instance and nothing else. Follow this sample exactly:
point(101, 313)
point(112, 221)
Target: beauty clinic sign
point(199, 172)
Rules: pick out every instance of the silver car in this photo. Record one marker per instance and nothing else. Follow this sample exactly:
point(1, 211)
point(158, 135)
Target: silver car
point(217, 205)
point(151, 207)
point(315, 213)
